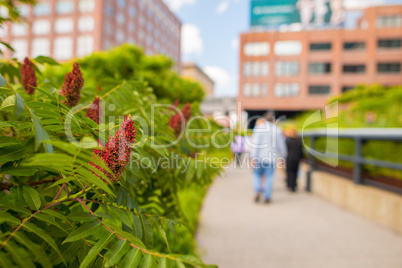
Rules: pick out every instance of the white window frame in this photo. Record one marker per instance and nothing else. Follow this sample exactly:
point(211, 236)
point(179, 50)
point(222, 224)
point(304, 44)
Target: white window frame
point(288, 48)
point(85, 45)
point(40, 47)
point(86, 24)
point(63, 48)
point(41, 27)
point(61, 23)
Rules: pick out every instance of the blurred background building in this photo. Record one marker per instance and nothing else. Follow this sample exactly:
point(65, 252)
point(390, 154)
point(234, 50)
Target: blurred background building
point(65, 29)
point(296, 55)
point(192, 71)
point(217, 106)
point(212, 105)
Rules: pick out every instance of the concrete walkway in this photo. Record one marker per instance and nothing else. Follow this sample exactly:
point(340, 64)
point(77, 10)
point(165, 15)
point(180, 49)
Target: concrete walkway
point(295, 230)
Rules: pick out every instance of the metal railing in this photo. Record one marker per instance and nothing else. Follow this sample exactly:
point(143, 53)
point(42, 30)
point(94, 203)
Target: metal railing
point(360, 137)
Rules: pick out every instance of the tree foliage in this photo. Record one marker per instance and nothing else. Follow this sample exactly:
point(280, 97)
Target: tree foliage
point(58, 205)
point(105, 70)
point(11, 12)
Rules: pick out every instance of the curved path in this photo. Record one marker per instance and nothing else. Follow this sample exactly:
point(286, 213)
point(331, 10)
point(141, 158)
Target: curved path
point(295, 230)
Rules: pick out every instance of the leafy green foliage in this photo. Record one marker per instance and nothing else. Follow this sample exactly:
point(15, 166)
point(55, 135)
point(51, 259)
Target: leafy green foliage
point(366, 106)
point(58, 209)
point(105, 70)
point(11, 12)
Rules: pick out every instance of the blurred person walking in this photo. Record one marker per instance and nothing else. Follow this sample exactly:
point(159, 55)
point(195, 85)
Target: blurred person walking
point(295, 154)
point(267, 143)
point(238, 148)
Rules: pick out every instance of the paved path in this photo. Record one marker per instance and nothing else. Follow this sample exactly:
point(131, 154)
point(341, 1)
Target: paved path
point(295, 230)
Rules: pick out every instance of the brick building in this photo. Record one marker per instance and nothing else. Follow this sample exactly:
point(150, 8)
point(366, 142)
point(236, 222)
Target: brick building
point(65, 29)
point(296, 71)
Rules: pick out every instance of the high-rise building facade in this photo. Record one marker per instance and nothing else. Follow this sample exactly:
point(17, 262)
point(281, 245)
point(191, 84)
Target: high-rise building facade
point(65, 29)
point(296, 71)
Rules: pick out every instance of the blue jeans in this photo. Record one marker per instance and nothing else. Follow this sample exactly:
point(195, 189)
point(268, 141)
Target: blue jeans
point(267, 170)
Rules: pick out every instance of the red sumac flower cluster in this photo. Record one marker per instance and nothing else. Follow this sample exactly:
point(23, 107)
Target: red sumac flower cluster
point(116, 153)
point(28, 76)
point(95, 111)
point(73, 83)
point(178, 120)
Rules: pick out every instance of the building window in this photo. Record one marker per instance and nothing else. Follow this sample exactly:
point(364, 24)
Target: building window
point(87, 6)
point(354, 68)
point(131, 28)
point(288, 48)
point(150, 27)
point(319, 68)
point(64, 25)
point(264, 68)
point(85, 45)
point(19, 29)
point(354, 46)
point(64, 7)
point(394, 67)
point(319, 90)
point(150, 41)
point(320, 46)
point(42, 9)
point(108, 28)
point(256, 90)
point(132, 11)
point(40, 47)
point(121, 19)
point(283, 90)
point(247, 69)
point(347, 88)
point(390, 43)
point(246, 90)
point(141, 34)
point(86, 24)
point(389, 21)
point(256, 69)
point(132, 41)
point(264, 89)
point(121, 3)
point(286, 68)
point(156, 45)
point(109, 10)
point(24, 10)
point(150, 12)
point(142, 5)
point(120, 37)
point(41, 27)
point(63, 48)
point(21, 49)
point(256, 49)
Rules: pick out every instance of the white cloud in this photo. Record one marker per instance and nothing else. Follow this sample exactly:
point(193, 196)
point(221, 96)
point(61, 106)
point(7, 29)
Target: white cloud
point(223, 6)
point(220, 76)
point(235, 43)
point(191, 41)
point(175, 5)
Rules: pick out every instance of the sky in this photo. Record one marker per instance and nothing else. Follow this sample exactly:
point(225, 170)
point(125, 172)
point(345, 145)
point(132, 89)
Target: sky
point(210, 35)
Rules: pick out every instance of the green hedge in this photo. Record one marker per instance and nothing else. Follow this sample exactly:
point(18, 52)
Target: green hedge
point(384, 106)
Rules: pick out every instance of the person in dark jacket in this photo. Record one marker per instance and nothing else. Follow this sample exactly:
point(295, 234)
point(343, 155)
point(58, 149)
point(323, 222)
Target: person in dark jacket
point(295, 154)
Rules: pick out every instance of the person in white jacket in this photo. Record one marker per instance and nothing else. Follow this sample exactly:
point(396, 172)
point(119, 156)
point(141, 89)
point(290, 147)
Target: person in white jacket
point(267, 145)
